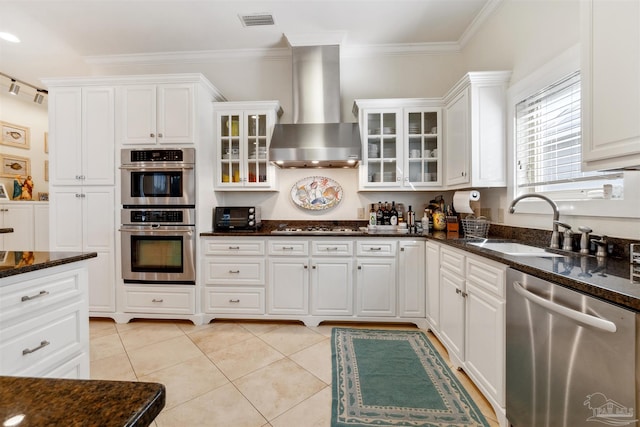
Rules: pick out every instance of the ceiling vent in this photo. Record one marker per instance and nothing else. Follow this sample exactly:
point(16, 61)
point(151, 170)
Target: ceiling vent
point(257, 19)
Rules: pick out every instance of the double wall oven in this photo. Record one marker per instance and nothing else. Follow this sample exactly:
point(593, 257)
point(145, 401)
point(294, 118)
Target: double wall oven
point(158, 216)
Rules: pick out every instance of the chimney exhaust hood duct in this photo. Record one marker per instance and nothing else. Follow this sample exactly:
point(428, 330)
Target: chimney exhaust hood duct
point(317, 138)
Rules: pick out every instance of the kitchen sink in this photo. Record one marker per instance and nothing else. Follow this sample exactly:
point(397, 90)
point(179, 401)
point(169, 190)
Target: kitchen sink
point(515, 249)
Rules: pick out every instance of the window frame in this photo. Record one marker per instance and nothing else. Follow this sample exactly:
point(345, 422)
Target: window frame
point(553, 71)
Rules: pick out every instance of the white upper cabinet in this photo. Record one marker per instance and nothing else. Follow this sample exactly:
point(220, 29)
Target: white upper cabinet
point(158, 114)
point(610, 84)
point(243, 135)
point(475, 131)
point(81, 133)
point(400, 143)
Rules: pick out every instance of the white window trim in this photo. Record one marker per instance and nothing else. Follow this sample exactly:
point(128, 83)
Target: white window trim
point(556, 69)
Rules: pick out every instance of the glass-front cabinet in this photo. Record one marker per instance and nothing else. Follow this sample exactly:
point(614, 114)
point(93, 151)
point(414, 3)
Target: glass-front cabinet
point(401, 143)
point(242, 146)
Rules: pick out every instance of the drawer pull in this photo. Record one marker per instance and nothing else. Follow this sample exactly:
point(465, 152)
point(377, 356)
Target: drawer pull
point(29, 298)
point(234, 248)
point(234, 271)
point(43, 344)
point(157, 300)
point(287, 248)
point(235, 301)
point(331, 249)
point(375, 249)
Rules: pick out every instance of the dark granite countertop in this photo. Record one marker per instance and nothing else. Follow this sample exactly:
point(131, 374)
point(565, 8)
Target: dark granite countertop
point(6, 230)
point(605, 278)
point(20, 262)
point(64, 402)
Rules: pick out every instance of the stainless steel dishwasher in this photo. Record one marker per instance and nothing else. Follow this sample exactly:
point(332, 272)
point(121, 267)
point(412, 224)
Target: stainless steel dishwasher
point(572, 360)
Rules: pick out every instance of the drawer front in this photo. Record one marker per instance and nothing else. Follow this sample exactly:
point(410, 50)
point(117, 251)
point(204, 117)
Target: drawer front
point(332, 248)
point(39, 344)
point(237, 246)
point(236, 271)
point(452, 261)
point(288, 247)
point(38, 294)
point(376, 248)
point(487, 276)
point(160, 300)
point(233, 300)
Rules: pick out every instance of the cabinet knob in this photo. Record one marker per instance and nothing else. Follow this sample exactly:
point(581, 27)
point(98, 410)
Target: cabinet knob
point(152, 135)
point(359, 267)
point(159, 135)
point(314, 267)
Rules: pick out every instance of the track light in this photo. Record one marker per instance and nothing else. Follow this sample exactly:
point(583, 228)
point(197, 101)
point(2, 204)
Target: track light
point(14, 88)
point(38, 98)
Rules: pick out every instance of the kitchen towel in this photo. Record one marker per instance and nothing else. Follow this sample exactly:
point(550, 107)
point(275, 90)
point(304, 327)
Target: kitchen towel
point(462, 200)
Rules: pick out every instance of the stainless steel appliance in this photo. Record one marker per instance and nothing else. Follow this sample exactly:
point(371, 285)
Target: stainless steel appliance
point(158, 245)
point(572, 360)
point(236, 218)
point(316, 229)
point(159, 177)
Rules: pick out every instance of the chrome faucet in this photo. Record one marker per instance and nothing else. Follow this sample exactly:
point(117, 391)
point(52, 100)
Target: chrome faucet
point(567, 243)
point(555, 236)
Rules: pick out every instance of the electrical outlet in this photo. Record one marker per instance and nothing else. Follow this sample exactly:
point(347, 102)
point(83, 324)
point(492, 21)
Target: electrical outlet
point(360, 213)
point(501, 216)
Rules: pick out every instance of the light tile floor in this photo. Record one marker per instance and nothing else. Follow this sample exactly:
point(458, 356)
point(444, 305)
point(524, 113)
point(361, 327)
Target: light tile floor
point(232, 373)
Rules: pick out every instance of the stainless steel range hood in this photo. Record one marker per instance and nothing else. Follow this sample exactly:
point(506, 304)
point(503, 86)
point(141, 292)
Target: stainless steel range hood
point(317, 138)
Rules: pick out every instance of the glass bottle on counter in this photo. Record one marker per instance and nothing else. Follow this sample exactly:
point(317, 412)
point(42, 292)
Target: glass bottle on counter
point(372, 214)
point(411, 220)
point(379, 214)
point(393, 214)
point(386, 214)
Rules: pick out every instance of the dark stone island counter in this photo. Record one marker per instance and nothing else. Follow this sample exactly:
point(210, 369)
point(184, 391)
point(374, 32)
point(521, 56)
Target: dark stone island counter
point(62, 402)
point(20, 262)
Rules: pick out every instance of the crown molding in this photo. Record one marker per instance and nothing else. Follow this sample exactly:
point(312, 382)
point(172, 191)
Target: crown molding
point(478, 21)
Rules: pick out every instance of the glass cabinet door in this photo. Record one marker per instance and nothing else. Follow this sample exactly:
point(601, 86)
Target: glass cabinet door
point(383, 151)
point(423, 152)
point(230, 167)
point(257, 149)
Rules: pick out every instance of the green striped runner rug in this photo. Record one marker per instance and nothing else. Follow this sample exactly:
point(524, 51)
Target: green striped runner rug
point(395, 378)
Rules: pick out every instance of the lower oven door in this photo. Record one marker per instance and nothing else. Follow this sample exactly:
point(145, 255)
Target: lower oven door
point(158, 254)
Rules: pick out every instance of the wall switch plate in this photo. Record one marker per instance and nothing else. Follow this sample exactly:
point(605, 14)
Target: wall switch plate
point(360, 213)
point(501, 215)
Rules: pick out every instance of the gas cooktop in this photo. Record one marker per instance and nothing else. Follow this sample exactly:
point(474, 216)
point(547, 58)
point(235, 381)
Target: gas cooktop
point(317, 230)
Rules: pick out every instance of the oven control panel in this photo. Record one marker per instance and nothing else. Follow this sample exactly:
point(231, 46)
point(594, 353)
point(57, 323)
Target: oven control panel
point(158, 216)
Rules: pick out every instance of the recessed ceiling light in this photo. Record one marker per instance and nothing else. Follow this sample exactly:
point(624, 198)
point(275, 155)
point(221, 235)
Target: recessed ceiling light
point(9, 37)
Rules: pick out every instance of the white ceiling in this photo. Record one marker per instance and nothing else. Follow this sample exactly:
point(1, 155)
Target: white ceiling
point(58, 36)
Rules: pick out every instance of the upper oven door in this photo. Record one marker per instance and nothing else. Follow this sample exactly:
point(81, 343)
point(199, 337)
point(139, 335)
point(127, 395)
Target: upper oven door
point(158, 185)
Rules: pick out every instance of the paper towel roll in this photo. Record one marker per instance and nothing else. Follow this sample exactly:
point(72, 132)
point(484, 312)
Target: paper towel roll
point(462, 200)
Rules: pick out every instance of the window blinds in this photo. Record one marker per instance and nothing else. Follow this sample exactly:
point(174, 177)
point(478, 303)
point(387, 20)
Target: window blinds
point(548, 143)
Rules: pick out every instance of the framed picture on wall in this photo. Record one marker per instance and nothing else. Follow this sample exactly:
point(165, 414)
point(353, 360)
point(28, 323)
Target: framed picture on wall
point(14, 135)
point(3, 193)
point(14, 165)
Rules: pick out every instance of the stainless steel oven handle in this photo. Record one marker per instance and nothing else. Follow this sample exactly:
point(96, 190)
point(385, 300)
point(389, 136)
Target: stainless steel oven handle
point(596, 322)
point(157, 230)
point(156, 168)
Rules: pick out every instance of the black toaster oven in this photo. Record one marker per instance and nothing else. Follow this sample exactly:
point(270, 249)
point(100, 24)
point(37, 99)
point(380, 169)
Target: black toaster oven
point(236, 218)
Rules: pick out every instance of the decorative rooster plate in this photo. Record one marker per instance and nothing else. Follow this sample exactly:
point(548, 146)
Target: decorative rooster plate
point(316, 193)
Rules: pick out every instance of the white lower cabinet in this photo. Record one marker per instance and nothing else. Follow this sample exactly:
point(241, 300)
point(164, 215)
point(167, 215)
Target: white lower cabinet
point(313, 279)
point(432, 286)
point(376, 280)
point(233, 275)
point(44, 328)
point(411, 288)
point(159, 299)
point(472, 320)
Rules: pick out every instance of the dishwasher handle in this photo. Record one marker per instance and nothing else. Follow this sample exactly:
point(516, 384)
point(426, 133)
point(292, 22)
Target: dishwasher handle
point(587, 319)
